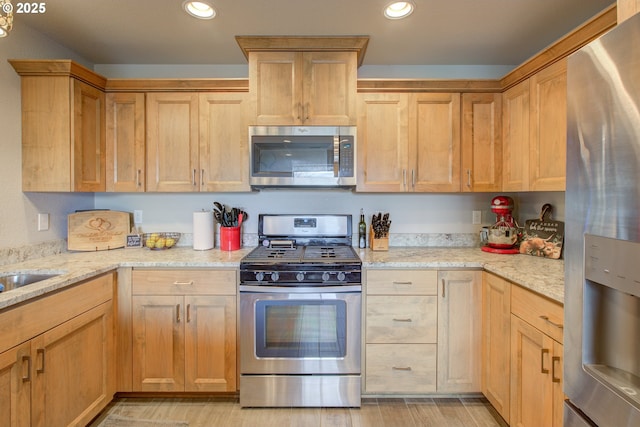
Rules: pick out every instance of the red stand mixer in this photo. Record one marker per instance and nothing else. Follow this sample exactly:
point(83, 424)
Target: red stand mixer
point(502, 237)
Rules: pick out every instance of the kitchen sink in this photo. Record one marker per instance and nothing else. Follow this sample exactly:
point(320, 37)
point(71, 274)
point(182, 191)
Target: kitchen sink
point(18, 280)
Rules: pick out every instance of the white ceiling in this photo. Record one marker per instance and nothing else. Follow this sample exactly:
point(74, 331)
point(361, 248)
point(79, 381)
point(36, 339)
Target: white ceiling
point(439, 32)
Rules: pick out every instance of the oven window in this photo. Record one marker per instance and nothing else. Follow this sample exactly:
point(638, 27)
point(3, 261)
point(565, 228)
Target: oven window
point(299, 156)
point(296, 329)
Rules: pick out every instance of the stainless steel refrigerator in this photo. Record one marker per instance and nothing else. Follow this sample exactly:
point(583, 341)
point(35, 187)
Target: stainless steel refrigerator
point(602, 235)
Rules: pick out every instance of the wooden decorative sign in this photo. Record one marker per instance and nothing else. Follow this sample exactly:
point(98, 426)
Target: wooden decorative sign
point(98, 230)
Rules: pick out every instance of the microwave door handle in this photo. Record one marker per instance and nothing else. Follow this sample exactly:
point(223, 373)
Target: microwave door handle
point(336, 156)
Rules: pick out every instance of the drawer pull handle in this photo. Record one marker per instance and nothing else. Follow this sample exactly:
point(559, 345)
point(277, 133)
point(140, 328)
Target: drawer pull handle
point(402, 283)
point(178, 313)
point(554, 360)
point(443, 286)
point(557, 325)
point(401, 368)
point(40, 352)
point(27, 377)
point(188, 313)
point(403, 320)
point(543, 352)
point(189, 283)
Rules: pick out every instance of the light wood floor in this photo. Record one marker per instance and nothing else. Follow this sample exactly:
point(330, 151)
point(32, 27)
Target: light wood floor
point(205, 412)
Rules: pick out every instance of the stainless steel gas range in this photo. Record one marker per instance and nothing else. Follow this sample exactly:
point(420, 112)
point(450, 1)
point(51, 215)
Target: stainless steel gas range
point(300, 310)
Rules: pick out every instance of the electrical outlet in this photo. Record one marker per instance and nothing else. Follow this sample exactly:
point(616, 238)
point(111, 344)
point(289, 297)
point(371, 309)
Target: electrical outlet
point(43, 221)
point(137, 217)
point(476, 217)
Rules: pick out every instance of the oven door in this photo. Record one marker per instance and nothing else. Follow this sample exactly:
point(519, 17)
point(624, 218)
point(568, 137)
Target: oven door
point(300, 330)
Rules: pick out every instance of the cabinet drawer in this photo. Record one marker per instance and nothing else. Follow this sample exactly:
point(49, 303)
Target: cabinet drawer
point(544, 314)
point(400, 368)
point(402, 282)
point(402, 319)
point(184, 282)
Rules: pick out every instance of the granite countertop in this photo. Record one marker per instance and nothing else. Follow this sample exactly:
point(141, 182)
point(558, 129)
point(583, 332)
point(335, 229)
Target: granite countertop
point(541, 275)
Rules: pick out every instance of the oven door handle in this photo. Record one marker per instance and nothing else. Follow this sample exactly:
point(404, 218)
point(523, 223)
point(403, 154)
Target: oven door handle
point(300, 289)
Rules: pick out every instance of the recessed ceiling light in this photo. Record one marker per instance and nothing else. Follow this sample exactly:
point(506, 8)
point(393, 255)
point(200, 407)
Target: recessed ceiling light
point(199, 9)
point(399, 10)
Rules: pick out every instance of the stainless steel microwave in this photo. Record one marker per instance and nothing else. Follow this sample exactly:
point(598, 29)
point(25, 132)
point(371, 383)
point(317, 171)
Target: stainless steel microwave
point(302, 156)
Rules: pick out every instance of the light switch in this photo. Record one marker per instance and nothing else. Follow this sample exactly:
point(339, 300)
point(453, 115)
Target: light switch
point(477, 217)
point(43, 221)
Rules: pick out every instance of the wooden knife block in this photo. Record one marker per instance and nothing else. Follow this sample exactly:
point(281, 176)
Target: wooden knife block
point(381, 244)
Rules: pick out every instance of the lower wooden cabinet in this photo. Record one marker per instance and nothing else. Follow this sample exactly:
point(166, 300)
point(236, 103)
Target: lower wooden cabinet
point(522, 354)
point(496, 339)
point(184, 330)
point(422, 331)
point(63, 376)
point(459, 331)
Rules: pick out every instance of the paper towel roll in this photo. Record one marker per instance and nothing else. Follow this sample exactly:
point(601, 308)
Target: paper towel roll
point(203, 230)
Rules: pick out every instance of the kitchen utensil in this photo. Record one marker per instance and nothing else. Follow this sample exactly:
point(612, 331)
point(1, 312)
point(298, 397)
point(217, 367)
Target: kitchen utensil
point(543, 236)
point(227, 217)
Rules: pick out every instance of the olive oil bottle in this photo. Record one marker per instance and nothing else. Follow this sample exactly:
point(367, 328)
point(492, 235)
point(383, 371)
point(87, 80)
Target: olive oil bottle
point(362, 231)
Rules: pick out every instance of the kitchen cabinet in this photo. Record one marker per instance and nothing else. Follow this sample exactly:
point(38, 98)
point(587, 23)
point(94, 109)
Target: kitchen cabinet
point(224, 141)
point(197, 142)
point(459, 331)
point(496, 342)
point(548, 128)
point(303, 88)
point(189, 317)
point(401, 331)
point(408, 142)
point(515, 135)
point(172, 141)
point(63, 133)
point(534, 131)
point(536, 360)
point(125, 147)
point(62, 370)
point(481, 142)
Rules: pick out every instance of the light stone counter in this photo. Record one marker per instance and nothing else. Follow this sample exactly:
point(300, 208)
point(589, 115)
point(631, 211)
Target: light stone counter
point(538, 274)
point(541, 275)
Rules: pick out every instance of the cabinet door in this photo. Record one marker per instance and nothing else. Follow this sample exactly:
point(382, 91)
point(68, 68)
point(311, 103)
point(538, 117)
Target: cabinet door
point(125, 142)
point(158, 343)
point(382, 142)
point(434, 142)
point(548, 131)
point(210, 343)
point(172, 142)
point(329, 85)
point(515, 137)
point(481, 142)
point(459, 331)
point(531, 383)
point(496, 338)
point(88, 138)
point(275, 88)
point(15, 386)
point(74, 369)
point(224, 147)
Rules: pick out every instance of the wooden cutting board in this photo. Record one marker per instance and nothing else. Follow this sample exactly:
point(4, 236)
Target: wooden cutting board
point(543, 236)
point(97, 230)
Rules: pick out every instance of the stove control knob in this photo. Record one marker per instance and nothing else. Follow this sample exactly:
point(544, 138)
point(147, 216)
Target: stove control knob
point(341, 276)
point(325, 277)
point(300, 277)
point(275, 276)
point(260, 276)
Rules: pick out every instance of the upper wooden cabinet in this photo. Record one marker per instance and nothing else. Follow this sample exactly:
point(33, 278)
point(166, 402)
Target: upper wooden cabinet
point(409, 142)
point(481, 142)
point(515, 137)
point(125, 142)
point(534, 131)
point(197, 142)
point(303, 88)
point(63, 127)
point(548, 128)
